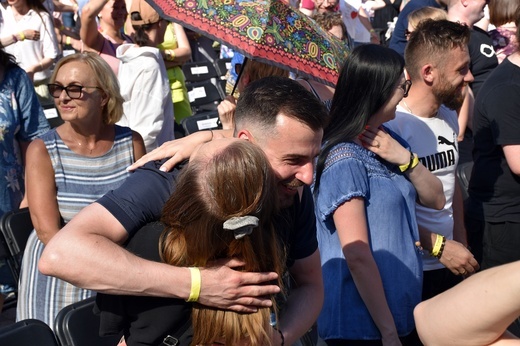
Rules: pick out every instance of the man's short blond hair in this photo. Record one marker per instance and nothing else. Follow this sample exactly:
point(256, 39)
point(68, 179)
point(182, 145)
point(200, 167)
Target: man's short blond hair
point(430, 43)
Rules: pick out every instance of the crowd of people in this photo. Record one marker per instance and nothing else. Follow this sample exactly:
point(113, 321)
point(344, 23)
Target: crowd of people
point(316, 214)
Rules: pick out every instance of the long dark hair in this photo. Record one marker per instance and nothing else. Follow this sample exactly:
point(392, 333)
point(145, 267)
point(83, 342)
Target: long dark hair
point(366, 83)
point(37, 6)
point(141, 37)
point(6, 60)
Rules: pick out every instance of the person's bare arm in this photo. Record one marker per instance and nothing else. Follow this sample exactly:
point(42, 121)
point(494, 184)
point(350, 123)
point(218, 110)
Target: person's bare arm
point(138, 145)
point(88, 32)
point(363, 18)
point(455, 256)
point(44, 64)
point(61, 7)
point(475, 312)
point(41, 192)
point(351, 225)
point(512, 154)
point(87, 252)
point(375, 4)
point(183, 51)
point(180, 149)
point(23, 149)
point(305, 301)
point(428, 186)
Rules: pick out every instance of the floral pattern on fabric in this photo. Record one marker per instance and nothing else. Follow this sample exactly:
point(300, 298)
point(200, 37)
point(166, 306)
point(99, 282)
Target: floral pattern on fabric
point(269, 31)
point(504, 42)
point(21, 119)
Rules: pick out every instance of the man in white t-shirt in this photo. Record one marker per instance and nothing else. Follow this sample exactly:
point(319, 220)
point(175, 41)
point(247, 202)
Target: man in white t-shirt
point(357, 22)
point(437, 63)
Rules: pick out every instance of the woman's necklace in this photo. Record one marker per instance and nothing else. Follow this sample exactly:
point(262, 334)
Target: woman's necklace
point(84, 146)
point(90, 149)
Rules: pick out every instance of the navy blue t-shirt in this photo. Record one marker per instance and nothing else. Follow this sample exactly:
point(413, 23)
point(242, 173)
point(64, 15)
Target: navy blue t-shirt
point(137, 205)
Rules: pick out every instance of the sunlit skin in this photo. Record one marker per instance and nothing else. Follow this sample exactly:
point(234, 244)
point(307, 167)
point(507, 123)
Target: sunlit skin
point(91, 102)
point(113, 14)
point(453, 77)
point(291, 149)
point(478, 6)
point(337, 31)
point(326, 5)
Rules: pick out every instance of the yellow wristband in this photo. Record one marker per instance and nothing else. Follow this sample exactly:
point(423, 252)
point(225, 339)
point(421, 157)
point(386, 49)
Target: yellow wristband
point(438, 244)
point(22, 35)
point(195, 284)
point(414, 161)
point(67, 40)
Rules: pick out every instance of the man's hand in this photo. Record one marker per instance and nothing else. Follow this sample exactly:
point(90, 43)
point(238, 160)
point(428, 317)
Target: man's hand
point(458, 259)
point(225, 288)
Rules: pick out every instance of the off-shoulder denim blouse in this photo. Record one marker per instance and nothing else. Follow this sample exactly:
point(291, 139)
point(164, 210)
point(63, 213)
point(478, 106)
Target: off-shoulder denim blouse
point(353, 171)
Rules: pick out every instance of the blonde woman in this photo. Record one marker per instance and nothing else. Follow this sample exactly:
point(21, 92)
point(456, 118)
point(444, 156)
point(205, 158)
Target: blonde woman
point(70, 167)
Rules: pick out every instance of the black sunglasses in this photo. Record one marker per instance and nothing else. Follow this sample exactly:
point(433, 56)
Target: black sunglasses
point(406, 87)
point(73, 91)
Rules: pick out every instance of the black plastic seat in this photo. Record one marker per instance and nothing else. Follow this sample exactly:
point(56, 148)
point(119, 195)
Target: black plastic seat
point(78, 325)
point(27, 333)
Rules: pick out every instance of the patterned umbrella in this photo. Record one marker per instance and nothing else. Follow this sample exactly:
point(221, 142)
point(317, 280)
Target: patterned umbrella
point(268, 31)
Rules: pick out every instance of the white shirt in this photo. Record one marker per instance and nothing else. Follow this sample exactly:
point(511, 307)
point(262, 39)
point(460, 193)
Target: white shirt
point(28, 52)
point(148, 106)
point(350, 14)
point(434, 140)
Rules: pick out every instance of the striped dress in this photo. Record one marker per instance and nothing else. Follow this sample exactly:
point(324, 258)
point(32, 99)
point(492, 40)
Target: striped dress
point(79, 181)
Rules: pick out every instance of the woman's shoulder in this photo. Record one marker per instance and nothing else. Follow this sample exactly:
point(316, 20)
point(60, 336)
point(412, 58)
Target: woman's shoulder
point(16, 75)
point(345, 151)
point(50, 136)
point(355, 158)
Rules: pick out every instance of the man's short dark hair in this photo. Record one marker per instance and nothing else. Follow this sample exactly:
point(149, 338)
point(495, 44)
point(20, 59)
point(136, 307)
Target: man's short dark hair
point(261, 102)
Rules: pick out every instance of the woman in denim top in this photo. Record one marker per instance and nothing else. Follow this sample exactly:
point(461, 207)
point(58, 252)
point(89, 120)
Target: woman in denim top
point(367, 182)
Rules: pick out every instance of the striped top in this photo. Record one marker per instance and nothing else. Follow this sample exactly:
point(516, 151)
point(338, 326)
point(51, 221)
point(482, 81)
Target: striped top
point(81, 180)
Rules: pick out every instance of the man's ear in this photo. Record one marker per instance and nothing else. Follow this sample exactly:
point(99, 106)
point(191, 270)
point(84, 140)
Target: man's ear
point(428, 73)
point(245, 80)
point(245, 134)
